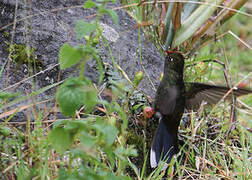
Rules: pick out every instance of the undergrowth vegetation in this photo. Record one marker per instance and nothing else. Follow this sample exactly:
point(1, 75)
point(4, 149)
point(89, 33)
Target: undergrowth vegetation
point(105, 134)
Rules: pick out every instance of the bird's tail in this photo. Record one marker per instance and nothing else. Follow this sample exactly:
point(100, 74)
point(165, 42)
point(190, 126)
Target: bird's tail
point(164, 146)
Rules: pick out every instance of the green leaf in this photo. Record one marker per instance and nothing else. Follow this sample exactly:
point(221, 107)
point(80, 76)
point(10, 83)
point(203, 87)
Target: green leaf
point(169, 30)
point(90, 98)
point(187, 10)
point(60, 139)
point(74, 93)
point(63, 174)
point(121, 152)
point(87, 139)
point(70, 96)
point(111, 176)
point(33, 94)
point(68, 56)
point(194, 21)
point(113, 15)
point(137, 106)
point(100, 0)
point(94, 54)
point(75, 126)
point(5, 130)
point(8, 95)
point(90, 4)
point(110, 12)
point(83, 28)
point(109, 132)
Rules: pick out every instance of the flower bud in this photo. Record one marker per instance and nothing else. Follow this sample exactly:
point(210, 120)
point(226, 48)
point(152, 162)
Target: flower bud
point(148, 112)
point(138, 78)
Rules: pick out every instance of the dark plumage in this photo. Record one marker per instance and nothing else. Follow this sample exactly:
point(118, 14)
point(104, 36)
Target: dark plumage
point(172, 97)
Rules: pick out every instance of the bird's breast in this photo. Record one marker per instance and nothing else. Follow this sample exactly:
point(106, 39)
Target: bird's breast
point(169, 99)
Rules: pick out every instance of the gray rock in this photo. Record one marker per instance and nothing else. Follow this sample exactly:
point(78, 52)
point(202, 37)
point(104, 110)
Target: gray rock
point(50, 26)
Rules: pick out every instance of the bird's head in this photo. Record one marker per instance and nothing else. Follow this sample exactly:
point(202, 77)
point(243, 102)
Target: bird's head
point(174, 60)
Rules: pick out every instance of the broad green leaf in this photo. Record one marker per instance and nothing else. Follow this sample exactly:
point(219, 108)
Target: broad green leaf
point(74, 93)
point(187, 10)
point(90, 99)
point(68, 56)
point(76, 125)
point(110, 155)
point(71, 96)
point(109, 132)
point(83, 29)
point(169, 30)
point(60, 139)
point(194, 21)
point(87, 139)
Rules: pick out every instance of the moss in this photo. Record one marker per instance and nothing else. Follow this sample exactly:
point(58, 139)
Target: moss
point(22, 54)
point(6, 34)
point(134, 138)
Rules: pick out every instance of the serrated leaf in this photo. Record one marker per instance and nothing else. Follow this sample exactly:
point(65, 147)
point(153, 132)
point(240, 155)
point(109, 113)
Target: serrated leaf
point(60, 139)
point(90, 4)
point(90, 98)
point(74, 93)
point(109, 132)
point(83, 29)
point(76, 125)
point(87, 139)
point(68, 56)
point(70, 96)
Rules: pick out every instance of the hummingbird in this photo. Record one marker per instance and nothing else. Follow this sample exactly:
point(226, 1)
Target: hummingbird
point(172, 97)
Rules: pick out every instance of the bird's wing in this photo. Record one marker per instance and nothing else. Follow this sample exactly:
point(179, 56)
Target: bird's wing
point(198, 92)
point(165, 100)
